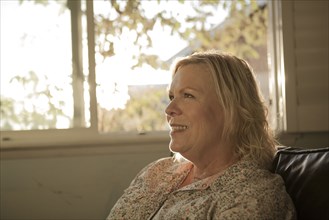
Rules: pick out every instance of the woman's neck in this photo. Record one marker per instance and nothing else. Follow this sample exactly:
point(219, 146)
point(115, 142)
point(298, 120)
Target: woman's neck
point(215, 167)
point(202, 171)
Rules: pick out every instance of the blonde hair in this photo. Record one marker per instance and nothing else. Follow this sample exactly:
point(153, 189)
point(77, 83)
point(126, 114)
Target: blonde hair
point(245, 125)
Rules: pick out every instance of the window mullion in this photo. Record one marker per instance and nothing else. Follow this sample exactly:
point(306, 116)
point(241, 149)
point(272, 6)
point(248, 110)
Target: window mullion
point(77, 77)
point(92, 64)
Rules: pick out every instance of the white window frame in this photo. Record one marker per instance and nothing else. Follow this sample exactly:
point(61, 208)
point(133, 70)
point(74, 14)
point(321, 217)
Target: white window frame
point(276, 75)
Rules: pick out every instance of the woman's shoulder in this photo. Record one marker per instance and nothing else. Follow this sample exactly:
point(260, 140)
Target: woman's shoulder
point(249, 178)
point(166, 161)
point(260, 177)
point(160, 166)
point(164, 172)
point(168, 165)
point(162, 163)
point(256, 188)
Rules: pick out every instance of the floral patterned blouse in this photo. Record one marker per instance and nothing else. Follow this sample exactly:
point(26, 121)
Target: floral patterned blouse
point(242, 191)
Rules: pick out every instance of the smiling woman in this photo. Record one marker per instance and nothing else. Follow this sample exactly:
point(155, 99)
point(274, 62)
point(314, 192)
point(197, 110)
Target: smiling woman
point(227, 150)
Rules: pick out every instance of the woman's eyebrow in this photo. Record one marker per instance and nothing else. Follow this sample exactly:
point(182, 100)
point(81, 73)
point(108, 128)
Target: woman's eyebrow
point(170, 90)
point(193, 89)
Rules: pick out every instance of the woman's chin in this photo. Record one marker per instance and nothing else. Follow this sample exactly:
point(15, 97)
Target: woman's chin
point(174, 148)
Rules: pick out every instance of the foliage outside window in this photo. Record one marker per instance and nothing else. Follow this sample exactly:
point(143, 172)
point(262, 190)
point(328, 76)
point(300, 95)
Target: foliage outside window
point(135, 43)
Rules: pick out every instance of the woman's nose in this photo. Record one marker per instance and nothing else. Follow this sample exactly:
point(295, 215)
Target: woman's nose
point(172, 109)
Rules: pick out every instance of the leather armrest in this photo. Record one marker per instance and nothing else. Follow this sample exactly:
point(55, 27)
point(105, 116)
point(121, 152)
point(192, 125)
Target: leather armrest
point(306, 176)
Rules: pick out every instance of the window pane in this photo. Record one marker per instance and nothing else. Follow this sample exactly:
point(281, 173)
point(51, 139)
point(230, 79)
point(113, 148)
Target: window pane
point(36, 66)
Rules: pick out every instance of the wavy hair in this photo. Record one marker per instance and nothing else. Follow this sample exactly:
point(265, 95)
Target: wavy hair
point(245, 125)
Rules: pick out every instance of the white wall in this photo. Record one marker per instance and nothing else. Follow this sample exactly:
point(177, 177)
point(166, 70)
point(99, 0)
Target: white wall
point(80, 183)
point(305, 35)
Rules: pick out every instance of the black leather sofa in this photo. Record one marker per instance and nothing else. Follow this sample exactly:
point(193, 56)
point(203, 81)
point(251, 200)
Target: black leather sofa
point(306, 176)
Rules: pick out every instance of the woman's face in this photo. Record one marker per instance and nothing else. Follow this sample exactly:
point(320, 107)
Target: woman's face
point(194, 113)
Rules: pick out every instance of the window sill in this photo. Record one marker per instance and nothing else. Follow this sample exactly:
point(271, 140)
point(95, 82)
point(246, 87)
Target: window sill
point(75, 138)
point(78, 141)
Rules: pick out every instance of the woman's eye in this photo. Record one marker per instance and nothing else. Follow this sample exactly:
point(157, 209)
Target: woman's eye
point(171, 97)
point(187, 95)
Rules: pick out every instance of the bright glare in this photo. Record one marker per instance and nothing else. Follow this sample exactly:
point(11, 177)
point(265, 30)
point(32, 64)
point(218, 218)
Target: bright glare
point(114, 75)
point(31, 43)
point(36, 38)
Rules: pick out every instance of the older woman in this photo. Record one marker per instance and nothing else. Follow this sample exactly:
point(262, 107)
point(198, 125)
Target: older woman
point(218, 125)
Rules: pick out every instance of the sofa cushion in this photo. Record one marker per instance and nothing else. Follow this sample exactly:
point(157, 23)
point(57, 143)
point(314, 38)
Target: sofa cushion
point(306, 176)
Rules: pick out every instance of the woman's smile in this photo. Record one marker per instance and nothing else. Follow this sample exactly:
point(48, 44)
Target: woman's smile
point(177, 128)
